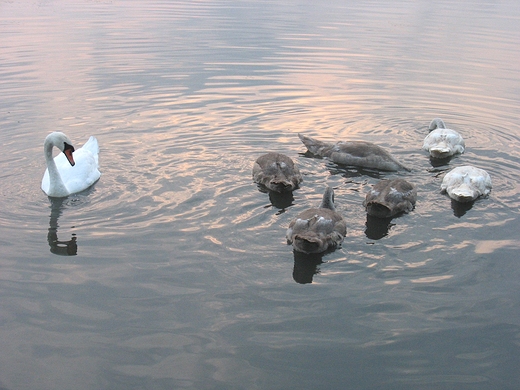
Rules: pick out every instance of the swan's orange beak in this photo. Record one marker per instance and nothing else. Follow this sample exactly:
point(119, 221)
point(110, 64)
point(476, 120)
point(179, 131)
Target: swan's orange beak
point(69, 149)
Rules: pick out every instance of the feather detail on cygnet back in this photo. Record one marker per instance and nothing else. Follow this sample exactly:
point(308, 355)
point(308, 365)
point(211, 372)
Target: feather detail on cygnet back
point(466, 183)
point(354, 153)
point(276, 172)
point(390, 197)
point(442, 142)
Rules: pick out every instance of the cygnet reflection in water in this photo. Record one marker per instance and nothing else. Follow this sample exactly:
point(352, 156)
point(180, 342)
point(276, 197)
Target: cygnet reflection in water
point(377, 228)
point(306, 266)
point(461, 208)
point(280, 200)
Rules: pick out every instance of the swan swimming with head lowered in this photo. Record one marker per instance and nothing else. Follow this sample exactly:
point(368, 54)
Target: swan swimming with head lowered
point(276, 172)
point(73, 170)
point(354, 153)
point(466, 183)
point(319, 229)
point(443, 142)
point(390, 197)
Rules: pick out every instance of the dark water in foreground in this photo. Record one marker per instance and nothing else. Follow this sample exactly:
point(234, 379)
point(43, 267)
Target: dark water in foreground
point(180, 276)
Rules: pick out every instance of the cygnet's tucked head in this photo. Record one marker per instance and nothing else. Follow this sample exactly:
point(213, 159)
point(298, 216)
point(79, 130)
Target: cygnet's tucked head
point(276, 172)
point(466, 183)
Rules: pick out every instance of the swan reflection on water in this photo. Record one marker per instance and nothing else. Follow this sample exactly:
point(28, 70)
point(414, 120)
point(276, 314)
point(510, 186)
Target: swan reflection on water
point(63, 248)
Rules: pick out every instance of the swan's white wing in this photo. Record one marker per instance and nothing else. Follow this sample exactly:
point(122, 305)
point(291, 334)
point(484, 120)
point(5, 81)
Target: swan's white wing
point(92, 146)
point(45, 182)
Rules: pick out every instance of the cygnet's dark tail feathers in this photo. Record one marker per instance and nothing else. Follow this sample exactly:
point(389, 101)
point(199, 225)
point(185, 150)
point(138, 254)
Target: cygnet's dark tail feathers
point(405, 167)
point(328, 199)
point(313, 145)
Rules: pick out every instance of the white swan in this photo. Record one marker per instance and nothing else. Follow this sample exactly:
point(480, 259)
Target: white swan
point(443, 142)
point(354, 153)
point(466, 183)
point(72, 171)
point(390, 197)
point(317, 230)
point(277, 172)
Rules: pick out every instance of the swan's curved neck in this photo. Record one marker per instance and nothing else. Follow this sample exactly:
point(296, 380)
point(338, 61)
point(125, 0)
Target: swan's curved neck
point(56, 185)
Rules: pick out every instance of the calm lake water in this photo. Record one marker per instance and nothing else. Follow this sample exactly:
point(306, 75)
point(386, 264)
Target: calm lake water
point(172, 272)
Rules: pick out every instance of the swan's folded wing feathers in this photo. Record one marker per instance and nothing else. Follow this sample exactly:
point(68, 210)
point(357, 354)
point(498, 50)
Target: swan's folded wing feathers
point(93, 147)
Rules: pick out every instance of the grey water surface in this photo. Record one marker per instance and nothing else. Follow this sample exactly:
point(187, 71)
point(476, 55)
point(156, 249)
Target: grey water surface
point(172, 271)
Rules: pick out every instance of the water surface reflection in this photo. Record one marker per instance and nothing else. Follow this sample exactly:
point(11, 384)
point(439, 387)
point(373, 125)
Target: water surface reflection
point(377, 228)
point(461, 208)
point(306, 266)
point(280, 200)
point(59, 247)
